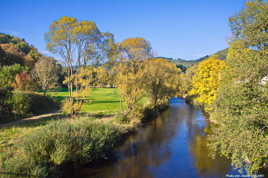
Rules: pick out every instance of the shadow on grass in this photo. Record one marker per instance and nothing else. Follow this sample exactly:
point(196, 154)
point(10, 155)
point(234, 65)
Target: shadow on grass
point(102, 101)
point(34, 122)
point(59, 99)
point(43, 121)
point(98, 115)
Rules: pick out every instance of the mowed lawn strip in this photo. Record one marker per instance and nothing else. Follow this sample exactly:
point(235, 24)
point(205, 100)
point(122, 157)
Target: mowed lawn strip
point(105, 100)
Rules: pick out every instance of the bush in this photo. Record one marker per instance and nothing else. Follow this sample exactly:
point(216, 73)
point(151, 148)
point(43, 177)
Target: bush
point(5, 107)
point(20, 104)
point(17, 105)
point(72, 106)
point(61, 143)
point(40, 104)
point(25, 104)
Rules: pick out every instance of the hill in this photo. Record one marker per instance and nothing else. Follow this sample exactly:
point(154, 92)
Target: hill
point(183, 64)
point(14, 50)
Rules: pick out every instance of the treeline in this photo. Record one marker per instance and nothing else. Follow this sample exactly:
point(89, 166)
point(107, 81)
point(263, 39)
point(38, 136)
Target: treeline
point(235, 91)
point(93, 59)
point(90, 58)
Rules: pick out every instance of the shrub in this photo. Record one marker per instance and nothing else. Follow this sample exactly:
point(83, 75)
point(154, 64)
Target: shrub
point(20, 104)
point(40, 104)
point(5, 107)
point(72, 106)
point(64, 142)
point(25, 104)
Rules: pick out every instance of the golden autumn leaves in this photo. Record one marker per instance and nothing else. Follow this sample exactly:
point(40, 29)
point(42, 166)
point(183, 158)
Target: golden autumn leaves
point(205, 82)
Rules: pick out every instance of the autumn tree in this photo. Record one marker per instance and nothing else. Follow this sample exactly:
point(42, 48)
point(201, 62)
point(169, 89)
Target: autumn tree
point(241, 106)
point(129, 81)
point(61, 40)
point(77, 43)
point(205, 82)
point(135, 48)
point(85, 78)
point(46, 72)
point(24, 82)
point(130, 73)
point(103, 77)
point(161, 80)
point(186, 79)
point(8, 75)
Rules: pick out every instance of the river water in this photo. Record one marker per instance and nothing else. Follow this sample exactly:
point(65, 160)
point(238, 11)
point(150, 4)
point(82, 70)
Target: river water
point(171, 146)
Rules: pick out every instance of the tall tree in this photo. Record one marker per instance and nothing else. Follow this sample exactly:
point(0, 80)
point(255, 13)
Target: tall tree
point(241, 107)
point(129, 81)
point(135, 48)
point(161, 80)
point(78, 43)
point(130, 73)
point(61, 39)
point(87, 40)
point(251, 24)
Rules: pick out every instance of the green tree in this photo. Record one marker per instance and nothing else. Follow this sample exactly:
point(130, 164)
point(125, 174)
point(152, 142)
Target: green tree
point(241, 108)
point(251, 24)
point(8, 75)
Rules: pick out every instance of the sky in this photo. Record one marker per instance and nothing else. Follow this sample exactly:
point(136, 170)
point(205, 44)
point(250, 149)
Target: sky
point(187, 29)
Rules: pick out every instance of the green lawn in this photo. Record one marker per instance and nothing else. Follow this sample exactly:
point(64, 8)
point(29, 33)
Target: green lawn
point(100, 100)
point(106, 100)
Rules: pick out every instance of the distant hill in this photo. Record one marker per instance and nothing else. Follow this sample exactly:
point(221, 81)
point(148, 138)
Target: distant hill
point(183, 64)
point(14, 50)
point(222, 54)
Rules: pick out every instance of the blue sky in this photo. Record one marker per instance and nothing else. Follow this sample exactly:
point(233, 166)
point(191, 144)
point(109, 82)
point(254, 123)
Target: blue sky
point(176, 28)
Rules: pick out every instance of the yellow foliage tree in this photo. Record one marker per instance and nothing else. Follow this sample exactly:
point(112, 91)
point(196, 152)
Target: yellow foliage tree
point(205, 82)
point(84, 79)
point(161, 80)
point(129, 81)
point(135, 48)
point(102, 77)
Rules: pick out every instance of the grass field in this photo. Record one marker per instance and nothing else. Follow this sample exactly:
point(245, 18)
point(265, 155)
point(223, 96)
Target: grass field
point(100, 100)
point(106, 100)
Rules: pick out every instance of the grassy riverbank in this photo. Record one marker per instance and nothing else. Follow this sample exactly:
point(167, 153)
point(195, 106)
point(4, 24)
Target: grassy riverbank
point(63, 141)
point(60, 143)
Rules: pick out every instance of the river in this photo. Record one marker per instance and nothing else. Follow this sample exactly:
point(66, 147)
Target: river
point(171, 146)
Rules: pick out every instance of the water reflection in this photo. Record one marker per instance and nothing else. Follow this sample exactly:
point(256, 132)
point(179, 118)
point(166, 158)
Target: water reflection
point(173, 145)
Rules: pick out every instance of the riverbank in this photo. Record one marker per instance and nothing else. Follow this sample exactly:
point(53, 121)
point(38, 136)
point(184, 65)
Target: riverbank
point(173, 145)
point(63, 142)
point(190, 100)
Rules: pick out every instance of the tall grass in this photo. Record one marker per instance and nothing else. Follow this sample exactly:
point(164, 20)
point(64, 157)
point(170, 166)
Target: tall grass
point(46, 151)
